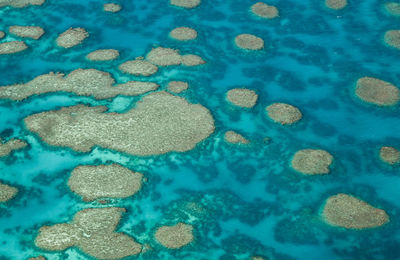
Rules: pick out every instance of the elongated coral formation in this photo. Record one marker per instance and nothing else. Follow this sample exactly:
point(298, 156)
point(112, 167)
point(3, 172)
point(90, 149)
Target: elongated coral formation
point(161, 56)
point(177, 86)
point(104, 181)
point(82, 82)
point(20, 3)
point(12, 47)
point(183, 34)
point(249, 42)
point(264, 10)
point(72, 37)
point(138, 67)
point(7, 192)
point(235, 138)
point(185, 3)
point(336, 4)
point(11, 145)
point(377, 92)
point(112, 7)
point(103, 55)
point(33, 32)
point(346, 211)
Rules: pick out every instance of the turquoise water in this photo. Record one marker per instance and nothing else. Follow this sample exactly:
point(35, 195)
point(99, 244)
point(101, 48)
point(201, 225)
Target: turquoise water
point(254, 204)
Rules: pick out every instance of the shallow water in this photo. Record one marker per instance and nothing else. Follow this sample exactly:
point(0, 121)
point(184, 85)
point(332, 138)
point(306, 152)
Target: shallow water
point(254, 203)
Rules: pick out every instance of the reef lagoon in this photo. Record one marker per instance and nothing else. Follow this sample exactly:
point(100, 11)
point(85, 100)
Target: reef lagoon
point(199, 129)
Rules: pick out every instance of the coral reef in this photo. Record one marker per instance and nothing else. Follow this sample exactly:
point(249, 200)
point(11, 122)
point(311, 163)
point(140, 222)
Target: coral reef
point(93, 231)
point(174, 237)
point(166, 57)
point(12, 47)
point(185, 3)
point(264, 10)
point(33, 32)
point(82, 82)
point(242, 97)
point(346, 211)
point(103, 55)
point(389, 155)
point(177, 86)
point(14, 144)
point(20, 3)
point(312, 161)
point(235, 138)
point(7, 192)
point(336, 4)
point(160, 123)
point(183, 34)
point(112, 7)
point(249, 42)
point(138, 67)
point(72, 37)
point(392, 38)
point(392, 8)
point(284, 114)
point(377, 92)
point(104, 181)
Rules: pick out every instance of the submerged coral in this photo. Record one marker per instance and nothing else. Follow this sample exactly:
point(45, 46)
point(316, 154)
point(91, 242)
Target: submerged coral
point(2, 34)
point(20, 3)
point(377, 92)
point(389, 155)
point(7, 192)
point(183, 34)
point(336, 4)
point(12, 47)
point(14, 144)
point(312, 161)
point(264, 10)
point(160, 123)
point(93, 231)
point(72, 37)
point(104, 181)
point(82, 82)
point(235, 138)
point(112, 7)
point(185, 3)
point(249, 42)
point(392, 38)
point(138, 67)
point(174, 237)
point(34, 32)
point(177, 86)
point(346, 211)
point(284, 114)
point(242, 97)
point(103, 55)
point(392, 8)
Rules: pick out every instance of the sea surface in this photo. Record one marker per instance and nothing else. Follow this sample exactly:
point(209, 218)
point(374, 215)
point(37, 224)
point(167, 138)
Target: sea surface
point(255, 204)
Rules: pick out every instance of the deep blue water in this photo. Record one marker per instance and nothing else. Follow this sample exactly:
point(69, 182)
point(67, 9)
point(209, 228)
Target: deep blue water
point(256, 205)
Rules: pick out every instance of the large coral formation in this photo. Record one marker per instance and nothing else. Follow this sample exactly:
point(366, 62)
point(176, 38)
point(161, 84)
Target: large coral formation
point(346, 211)
point(392, 38)
point(264, 10)
point(176, 236)
point(249, 42)
point(103, 55)
point(389, 155)
point(242, 97)
point(160, 123)
point(392, 8)
point(161, 56)
point(104, 181)
point(82, 82)
point(72, 37)
point(34, 32)
point(312, 161)
point(377, 92)
point(183, 34)
point(12, 47)
point(93, 231)
point(177, 86)
point(284, 114)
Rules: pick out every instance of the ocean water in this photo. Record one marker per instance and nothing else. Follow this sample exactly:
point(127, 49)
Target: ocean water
point(252, 202)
